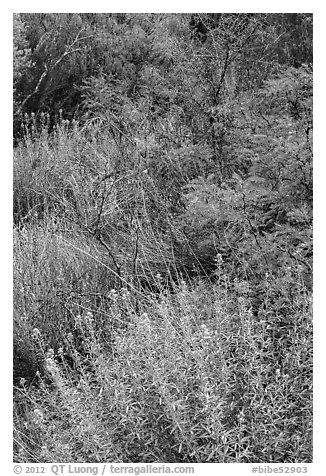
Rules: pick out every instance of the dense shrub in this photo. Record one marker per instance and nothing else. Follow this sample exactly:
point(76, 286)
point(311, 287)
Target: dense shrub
point(162, 238)
point(193, 378)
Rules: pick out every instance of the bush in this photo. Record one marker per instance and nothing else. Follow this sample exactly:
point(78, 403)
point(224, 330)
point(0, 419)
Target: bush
point(162, 238)
point(193, 378)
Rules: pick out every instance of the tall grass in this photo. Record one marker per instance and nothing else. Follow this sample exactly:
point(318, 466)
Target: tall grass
point(109, 369)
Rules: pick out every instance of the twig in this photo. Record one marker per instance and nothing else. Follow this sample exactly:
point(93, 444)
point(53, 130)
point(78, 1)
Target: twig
point(46, 71)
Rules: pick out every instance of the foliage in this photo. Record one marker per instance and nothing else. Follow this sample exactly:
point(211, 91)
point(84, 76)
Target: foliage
point(21, 52)
point(162, 237)
point(260, 218)
point(188, 380)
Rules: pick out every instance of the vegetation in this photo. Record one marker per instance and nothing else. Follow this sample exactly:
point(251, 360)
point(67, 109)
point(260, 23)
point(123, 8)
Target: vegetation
point(163, 238)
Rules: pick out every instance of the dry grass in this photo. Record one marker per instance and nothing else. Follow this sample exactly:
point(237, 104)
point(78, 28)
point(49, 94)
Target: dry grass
point(108, 370)
point(193, 377)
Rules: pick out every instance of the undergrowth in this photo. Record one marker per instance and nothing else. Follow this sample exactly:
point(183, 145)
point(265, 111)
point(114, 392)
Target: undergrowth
point(182, 375)
point(163, 281)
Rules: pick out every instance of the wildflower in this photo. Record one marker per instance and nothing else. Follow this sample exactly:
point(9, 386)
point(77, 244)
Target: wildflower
point(50, 354)
point(38, 416)
point(124, 293)
point(36, 333)
point(89, 317)
point(219, 259)
point(70, 337)
point(145, 322)
point(183, 285)
point(205, 331)
point(78, 321)
point(50, 364)
point(144, 319)
point(113, 294)
point(241, 416)
point(21, 454)
point(22, 381)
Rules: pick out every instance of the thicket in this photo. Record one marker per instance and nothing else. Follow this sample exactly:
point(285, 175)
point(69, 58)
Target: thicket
point(162, 237)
